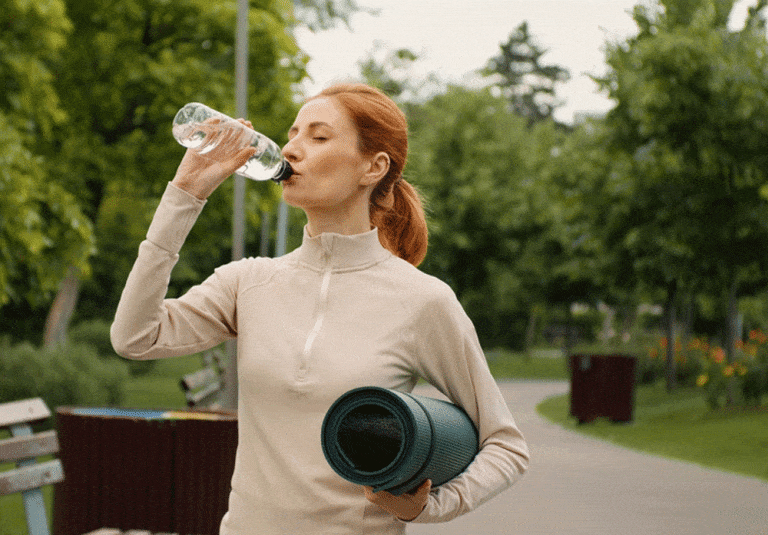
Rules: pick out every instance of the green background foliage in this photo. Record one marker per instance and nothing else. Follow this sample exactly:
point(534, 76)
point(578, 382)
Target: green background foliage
point(661, 201)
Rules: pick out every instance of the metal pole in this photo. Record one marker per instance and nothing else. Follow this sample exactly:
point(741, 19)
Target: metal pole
point(229, 393)
point(265, 233)
point(282, 228)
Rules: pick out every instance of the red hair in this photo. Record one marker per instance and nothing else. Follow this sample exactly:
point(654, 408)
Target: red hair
point(395, 206)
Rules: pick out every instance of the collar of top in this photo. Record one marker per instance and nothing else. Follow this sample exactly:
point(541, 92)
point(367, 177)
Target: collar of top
point(342, 252)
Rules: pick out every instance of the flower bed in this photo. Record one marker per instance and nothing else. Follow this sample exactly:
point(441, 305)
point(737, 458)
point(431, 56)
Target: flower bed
point(706, 365)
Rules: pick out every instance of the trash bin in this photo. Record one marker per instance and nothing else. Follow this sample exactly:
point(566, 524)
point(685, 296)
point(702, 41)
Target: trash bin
point(602, 386)
point(162, 471)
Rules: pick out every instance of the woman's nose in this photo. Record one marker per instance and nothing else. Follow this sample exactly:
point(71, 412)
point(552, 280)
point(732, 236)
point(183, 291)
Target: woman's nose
point(290, 151)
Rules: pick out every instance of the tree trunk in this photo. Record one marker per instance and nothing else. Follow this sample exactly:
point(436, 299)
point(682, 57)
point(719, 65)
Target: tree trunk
point(669, 327)
point(687, 321)
point(530, 332)
point(732, 334)
point(62, 309)
point(569, 339)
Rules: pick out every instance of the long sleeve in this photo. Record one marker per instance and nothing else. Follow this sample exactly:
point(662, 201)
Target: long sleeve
point(453, 361)
point(148, 326)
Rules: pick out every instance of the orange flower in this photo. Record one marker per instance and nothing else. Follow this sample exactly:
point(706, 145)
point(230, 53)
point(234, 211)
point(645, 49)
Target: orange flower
point(758, 336)
point(702, 379)
point(663, 342)
point(728, 370)
point(717, 354)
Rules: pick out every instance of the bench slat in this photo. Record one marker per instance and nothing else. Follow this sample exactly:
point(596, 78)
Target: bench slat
point(31, 477)
point(200, 378)
point(27, 447)
point(28, 410)
point(197, 397)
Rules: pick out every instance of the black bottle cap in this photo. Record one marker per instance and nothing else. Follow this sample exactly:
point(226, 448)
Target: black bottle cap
point(285, 172)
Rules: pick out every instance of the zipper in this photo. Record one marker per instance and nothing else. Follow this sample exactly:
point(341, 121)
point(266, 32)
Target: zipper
point(321, 312)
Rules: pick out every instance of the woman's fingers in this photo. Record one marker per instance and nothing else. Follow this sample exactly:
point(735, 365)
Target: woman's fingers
point(405, 506)
point(200, 173)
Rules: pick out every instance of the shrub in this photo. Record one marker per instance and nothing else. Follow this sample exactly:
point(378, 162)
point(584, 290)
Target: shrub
point(96, 334)
point(748, 373)
point(67, 374)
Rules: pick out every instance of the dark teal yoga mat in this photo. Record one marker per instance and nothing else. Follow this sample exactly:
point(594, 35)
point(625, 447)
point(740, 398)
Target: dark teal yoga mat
point(394, 441)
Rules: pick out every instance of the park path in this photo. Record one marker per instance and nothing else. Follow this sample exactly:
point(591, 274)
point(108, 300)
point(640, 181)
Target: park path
point(577, 485)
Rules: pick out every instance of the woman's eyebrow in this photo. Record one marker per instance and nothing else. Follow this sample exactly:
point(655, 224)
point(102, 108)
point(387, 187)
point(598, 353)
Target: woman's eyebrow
point(311, 126)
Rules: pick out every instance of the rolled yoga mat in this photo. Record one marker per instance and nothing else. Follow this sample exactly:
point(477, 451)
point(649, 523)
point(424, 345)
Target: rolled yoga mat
point(395, 441)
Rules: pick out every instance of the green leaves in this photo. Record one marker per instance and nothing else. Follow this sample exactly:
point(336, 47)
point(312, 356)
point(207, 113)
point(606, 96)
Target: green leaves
point(42, 230)
point(90, 90)
point(34, 36)
point(525, 81)
point(692, 112)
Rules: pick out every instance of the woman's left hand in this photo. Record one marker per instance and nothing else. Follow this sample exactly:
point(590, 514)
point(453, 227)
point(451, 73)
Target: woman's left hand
point(406, 506)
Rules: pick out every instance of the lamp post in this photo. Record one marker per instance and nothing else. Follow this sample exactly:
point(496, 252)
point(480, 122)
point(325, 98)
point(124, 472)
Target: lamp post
point(229, 393)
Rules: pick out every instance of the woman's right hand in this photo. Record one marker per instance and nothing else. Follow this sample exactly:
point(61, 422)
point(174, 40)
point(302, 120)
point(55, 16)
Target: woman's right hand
point(200, 174)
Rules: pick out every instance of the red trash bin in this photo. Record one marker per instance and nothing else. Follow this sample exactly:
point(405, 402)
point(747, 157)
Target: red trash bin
point(156, 470)
point(602, 386)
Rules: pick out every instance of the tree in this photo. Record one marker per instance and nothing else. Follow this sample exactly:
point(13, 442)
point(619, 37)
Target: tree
point(525, 81)
point(324, 14)
point(392, 72)
point(691, 115)
point(43, 233)
point(95, 85)
point(472, 159)
point(142, 60)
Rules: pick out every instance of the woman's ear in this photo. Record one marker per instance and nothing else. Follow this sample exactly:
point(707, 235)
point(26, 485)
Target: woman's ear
point(378, 169)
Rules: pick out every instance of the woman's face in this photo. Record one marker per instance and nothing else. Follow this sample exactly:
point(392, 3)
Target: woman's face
point(329, 169)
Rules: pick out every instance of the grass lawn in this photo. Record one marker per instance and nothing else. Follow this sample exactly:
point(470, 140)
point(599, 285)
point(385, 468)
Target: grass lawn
point(681, 426)
point(160, 389)
point(543, 364)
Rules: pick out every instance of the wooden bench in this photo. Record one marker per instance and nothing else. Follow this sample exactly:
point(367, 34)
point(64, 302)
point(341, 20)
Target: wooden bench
point(202, 387)
point(22, 449)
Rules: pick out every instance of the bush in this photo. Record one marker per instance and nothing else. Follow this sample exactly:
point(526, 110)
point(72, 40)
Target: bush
point(96, 334)
point(67, 374)
point(748, 374)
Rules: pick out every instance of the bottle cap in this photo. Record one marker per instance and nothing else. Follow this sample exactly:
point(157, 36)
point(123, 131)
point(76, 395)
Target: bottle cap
point(285, 172)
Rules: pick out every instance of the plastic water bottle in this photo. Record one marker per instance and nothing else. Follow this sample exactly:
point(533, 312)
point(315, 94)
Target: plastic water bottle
point(200, 128)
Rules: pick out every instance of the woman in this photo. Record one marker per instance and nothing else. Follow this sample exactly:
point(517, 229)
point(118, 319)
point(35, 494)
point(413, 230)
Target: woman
point(346, 309)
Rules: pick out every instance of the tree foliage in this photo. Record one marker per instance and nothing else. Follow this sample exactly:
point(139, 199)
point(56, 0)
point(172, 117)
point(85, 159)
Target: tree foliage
point(42, 229)
point(692, 112)
point(91, 88)
point(692, 120)
point(527, 82)
point(475, 162)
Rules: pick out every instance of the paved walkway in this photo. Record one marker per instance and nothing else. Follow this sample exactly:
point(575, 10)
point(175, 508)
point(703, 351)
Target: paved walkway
point(581, 486)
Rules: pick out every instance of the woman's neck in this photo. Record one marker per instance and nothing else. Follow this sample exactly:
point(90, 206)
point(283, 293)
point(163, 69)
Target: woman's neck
point(337, 222)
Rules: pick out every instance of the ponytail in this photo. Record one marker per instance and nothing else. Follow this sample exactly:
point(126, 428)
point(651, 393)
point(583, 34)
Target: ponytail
point(395, 206)
point(399, 216)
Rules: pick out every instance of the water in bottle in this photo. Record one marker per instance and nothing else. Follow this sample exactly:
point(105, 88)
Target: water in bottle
point(201, 128)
